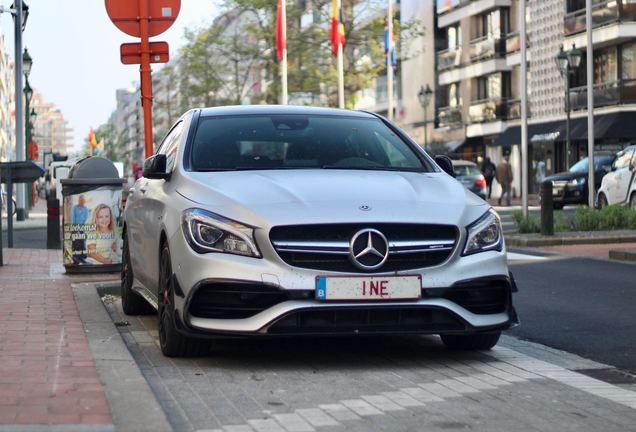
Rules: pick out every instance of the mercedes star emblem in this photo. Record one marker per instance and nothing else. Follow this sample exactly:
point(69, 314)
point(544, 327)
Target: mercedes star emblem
point(368, 249)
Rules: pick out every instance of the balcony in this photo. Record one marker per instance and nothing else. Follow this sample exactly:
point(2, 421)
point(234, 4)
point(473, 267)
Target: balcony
point(453, 11)
point(605, 94)
point(449, 59)
point(496, 109)
point(449, 117)
point(487, 47)
point(603, 14)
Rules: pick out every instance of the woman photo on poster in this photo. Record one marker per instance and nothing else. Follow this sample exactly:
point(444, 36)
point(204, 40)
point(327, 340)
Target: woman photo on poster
point(101, 244)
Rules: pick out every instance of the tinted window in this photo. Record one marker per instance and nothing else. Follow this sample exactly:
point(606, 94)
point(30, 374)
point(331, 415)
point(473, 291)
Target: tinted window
point(600, 163)
point(298, 141)
point(467, 170)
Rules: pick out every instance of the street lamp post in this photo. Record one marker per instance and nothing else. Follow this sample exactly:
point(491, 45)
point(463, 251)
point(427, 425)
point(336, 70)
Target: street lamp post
point(27, 63)
point(425, 95)
point(20, 12)
point(568, 62)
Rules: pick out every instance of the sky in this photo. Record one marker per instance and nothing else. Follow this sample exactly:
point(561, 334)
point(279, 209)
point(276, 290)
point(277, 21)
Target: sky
point(75, 50)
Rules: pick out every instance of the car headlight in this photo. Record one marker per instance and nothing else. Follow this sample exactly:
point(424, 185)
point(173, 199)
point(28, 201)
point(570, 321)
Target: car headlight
point(209, 232)
point(577, 182)
point(484, 234)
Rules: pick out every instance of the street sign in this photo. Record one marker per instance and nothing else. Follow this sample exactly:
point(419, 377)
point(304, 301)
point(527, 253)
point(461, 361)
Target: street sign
point(125, 14)
point(131, 53)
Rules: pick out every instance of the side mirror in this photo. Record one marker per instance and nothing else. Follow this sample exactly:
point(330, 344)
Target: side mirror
point(445, 163)
point(155, 167)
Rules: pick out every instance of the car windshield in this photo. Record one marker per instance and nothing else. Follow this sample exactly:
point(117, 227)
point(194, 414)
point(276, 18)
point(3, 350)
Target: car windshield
point(600, 163)
point(467, 171)
point(255, 142)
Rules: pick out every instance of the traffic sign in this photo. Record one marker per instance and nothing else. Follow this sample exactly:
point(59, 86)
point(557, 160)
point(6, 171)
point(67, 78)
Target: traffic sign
point(131, 53)
point(125, 14)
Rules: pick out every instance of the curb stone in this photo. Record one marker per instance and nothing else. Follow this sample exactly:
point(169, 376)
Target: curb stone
point(571, 238)
point(623, 254)
point(132, 403)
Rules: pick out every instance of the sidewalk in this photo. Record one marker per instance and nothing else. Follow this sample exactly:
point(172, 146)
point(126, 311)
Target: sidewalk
point(47, 373)
point(37, 218)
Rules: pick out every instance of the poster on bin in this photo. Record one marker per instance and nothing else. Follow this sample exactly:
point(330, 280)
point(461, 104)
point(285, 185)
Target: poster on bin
point(93, 227)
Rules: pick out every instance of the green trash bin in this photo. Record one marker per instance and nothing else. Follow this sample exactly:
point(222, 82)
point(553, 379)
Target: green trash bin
point(92, 217)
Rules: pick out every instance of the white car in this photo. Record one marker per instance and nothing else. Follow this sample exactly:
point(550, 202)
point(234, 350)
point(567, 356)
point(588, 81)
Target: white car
point(619, 185)
point(278, 220)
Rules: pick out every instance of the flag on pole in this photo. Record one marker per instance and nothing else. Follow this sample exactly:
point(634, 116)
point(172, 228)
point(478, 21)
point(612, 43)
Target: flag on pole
point(92, 140)
point(389, 43)
point(337, 28)
point(281, 30)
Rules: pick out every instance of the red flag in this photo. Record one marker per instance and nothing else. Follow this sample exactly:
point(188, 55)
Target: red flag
point(281, 30)
point(92, 140)
point(337, 28)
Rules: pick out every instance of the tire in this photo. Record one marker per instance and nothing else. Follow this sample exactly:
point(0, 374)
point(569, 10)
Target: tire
point(131, 302)
point(557, 206)
point(602, 201)
point(172, 343)
point(632, 201)
point(479, 341)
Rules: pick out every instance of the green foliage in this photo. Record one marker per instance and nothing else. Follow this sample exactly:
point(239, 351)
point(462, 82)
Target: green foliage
point(526, 225)
point(608, 218)
point(584, 219)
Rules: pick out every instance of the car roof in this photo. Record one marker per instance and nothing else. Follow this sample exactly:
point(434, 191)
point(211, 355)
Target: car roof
point(280, 109)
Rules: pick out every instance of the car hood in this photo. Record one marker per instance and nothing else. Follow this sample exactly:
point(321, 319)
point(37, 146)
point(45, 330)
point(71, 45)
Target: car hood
point(279, 197)
point(566, 175)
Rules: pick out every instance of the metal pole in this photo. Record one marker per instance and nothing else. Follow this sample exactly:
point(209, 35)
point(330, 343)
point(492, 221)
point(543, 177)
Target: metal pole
point(341, 98)
point(19, 109)
point(425, 128)
point(27, 141)
point(523, 91)
point(389, 65)
point(146, 78)
point(591, 181)
point(283, 65)
point(567, 118)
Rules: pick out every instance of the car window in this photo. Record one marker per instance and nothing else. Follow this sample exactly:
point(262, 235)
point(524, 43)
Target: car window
point(169, 146)
point(299, 141)
point(467, 170)
point(622, 160)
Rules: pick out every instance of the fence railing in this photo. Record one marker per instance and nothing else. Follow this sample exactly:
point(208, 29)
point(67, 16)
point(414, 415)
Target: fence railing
point(608, 93)
point(487, 47)
point(603, 13)
point(449, 116)
point(449, 59)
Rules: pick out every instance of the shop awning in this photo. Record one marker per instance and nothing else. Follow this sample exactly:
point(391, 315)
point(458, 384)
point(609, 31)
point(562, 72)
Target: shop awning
point(620, 125)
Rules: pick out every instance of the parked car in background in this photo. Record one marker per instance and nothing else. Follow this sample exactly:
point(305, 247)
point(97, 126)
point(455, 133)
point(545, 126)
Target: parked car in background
point(468, 174)
point(281, 220)
point(619, 185)
point(571, 187)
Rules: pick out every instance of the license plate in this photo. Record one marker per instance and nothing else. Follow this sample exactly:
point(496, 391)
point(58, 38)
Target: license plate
point(368, 288)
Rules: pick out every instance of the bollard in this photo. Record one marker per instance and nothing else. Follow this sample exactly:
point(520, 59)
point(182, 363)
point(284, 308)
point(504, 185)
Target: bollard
point(547, 209)
point(53, 224)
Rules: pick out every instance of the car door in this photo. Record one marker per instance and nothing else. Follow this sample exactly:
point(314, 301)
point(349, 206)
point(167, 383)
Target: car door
point(623, 176)
point(150, 202)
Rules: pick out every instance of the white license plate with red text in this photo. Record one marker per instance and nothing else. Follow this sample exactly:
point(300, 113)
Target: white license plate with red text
point(368, 288)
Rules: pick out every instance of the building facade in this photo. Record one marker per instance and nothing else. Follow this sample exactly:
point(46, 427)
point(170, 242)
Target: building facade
point(51, 131)
point(7, 105)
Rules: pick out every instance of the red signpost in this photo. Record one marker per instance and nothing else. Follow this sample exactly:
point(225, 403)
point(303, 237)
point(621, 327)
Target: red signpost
point(144, 19)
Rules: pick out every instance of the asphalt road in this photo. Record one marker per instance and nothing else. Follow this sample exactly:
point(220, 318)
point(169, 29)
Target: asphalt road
point(579, 305)
point(33, 238)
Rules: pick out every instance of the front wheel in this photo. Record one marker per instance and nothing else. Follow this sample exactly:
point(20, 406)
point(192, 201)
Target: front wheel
point(602, 201)
point(131, 302)
point(479, 341)
point(172, 343)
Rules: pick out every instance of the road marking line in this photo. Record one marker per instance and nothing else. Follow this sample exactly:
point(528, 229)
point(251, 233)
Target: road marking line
point(317, 417)
point(361, 407)
point(382, 403)
point(339, 412)
point(402, 399)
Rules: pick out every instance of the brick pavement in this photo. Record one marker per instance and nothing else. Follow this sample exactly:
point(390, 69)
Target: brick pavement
point(47, 373)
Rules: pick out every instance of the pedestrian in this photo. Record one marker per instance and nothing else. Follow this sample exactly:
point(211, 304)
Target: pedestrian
point(488, 170)
point(504, 178)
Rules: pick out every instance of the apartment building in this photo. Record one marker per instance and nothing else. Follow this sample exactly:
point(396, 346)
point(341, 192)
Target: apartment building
point(127, 119)
point(7, 96)
point(51, 131)
point(478, 66)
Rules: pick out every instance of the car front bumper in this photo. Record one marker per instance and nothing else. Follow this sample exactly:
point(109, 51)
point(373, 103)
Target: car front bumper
point(439, 310)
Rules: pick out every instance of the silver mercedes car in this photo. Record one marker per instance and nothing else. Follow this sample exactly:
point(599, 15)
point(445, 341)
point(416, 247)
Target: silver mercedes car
point(278, 221)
